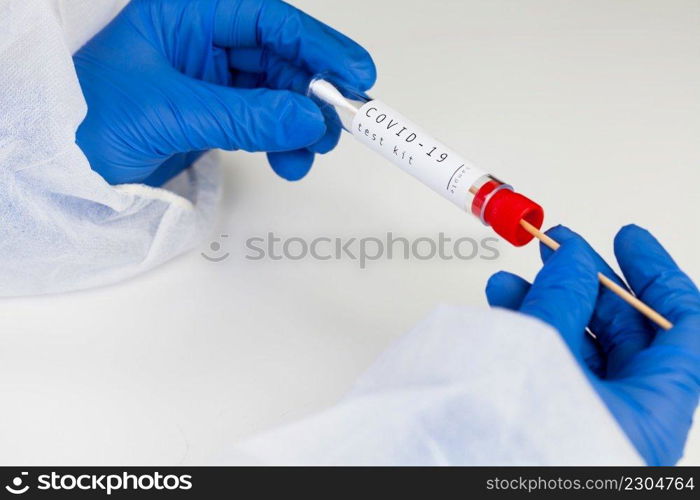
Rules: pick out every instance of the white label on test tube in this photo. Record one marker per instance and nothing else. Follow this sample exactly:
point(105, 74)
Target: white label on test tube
point(406, 145)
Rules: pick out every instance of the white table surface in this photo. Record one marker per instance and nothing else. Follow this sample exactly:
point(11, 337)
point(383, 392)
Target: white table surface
point(592, 108)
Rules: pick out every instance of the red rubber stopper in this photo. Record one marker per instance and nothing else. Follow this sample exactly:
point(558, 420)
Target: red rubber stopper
point(505, 210)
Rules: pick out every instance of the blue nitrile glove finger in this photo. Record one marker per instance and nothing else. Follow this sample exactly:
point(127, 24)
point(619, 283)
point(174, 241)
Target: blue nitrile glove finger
point(261, 66)
point(564, 293)
point(291, 165)
point(156, 83)
point(657, 280)
point(171, 168)
point(288, 55)
point(508, 291)
point(272, 71)
point(211, 116)
point(332, 136)
point(243, 80)
point(295, 36)
point(275, 120)
point(620, 330)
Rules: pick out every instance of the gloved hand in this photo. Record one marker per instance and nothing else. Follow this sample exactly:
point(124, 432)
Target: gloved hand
point(168, 79)
point(649, 378)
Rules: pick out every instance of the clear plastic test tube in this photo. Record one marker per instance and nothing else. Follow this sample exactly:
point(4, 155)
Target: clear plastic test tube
point(405, 144)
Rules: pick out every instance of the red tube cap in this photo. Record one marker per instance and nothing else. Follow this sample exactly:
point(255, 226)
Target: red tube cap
point(505, 210)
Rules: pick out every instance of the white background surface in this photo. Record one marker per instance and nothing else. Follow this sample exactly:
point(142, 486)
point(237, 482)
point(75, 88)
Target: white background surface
point(592, 108)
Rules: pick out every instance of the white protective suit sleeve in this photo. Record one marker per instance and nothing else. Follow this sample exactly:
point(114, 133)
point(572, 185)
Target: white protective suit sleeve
point(467, 386)
point(63, 226)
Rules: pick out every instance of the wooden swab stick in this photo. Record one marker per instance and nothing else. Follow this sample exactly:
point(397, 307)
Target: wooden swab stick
point(606, 282)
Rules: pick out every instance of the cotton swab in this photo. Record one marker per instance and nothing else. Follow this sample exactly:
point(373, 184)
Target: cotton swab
point(606, 282)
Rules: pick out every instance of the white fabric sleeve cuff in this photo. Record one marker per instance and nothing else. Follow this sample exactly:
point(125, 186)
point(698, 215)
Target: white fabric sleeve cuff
point(465, 387)
point(64, 227)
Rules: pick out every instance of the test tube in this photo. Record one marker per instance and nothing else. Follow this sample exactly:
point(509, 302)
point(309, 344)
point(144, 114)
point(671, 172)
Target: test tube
point(402, 142)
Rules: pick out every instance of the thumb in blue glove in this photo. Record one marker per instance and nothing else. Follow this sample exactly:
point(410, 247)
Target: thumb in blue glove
point(168, 79)
point(648, 378)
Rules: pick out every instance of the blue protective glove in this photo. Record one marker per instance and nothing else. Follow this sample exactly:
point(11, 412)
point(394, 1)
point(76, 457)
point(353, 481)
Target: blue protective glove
point(648, 378)
point(168, 79)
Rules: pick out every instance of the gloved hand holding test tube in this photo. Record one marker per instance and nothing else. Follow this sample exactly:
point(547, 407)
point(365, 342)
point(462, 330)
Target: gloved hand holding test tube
point(511, 215)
